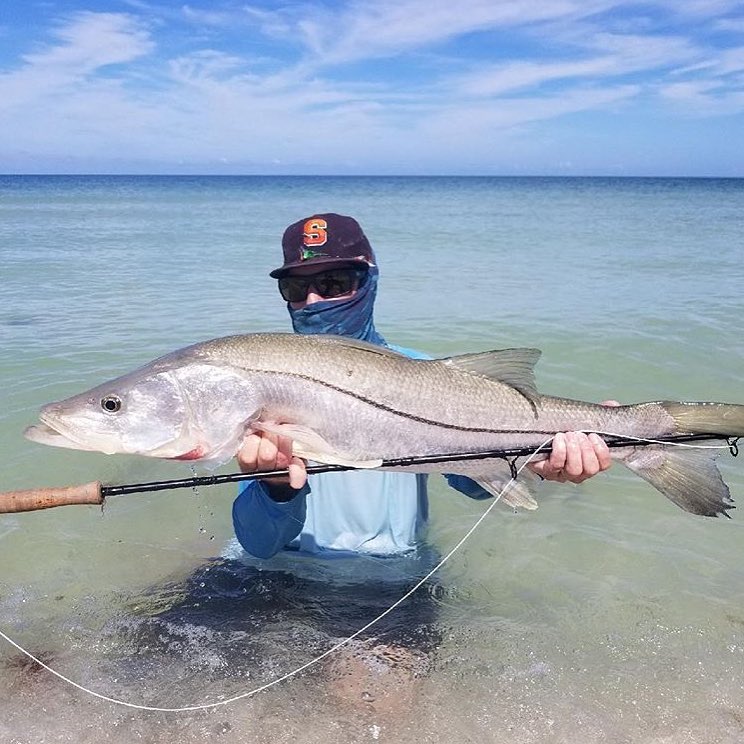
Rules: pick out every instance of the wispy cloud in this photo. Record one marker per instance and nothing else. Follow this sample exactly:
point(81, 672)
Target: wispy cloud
point(366, 30)
point(621, 56)
point(506, 113)
point(86, 44)
point(358, 81)
point(269, 21)
point(705, 98)
point(734, 25)
point(89, 41)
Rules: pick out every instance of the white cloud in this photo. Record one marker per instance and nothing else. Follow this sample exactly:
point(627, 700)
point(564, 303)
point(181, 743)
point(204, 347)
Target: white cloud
point(506, 113)
point(735, 25)
point(704, 98)
point(205, 65)
point(713, 87)
point(86, 44)
point(89, 93)
point(645, 52)
point(209, 17)
point(624, 54)
point(702, 8)
point(688, 90)
point(235, 15)
point(391, 27)
point(93, 40)
point(514, 76)
point(731, 61)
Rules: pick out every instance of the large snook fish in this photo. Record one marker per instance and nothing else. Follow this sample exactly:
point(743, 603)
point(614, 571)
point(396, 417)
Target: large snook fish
point(347, 402)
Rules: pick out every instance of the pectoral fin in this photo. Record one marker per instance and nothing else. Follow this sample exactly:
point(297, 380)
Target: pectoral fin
point(309, 445)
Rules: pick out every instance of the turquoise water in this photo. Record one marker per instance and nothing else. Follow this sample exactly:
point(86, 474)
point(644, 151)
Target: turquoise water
point(607, 615)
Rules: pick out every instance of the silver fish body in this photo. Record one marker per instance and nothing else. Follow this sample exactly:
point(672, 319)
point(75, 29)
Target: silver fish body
point(348, 402)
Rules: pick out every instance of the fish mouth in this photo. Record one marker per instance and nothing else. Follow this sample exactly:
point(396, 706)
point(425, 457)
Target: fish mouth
point(54, 432)
point(43, 434)
point(50, 432)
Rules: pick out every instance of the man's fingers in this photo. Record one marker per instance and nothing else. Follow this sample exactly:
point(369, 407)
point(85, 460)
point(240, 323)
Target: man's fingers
point(574, 458)
point(297, 473)
point(268, 452)
point(264, 451)
point(248, 453)
point(602, 451)
point(557, 460)
point(582, 461)
point(284, 452)
point(552, 468)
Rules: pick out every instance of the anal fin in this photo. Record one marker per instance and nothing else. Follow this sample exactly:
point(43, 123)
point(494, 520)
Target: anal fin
point(513, 493)
point(495, 477)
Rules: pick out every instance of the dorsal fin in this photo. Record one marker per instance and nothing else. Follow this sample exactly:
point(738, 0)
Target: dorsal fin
point(513, 367)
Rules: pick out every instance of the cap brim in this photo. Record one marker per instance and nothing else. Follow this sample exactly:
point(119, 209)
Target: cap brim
point(320, 261)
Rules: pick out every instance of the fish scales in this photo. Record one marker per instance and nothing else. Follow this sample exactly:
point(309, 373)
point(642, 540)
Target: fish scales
point(431, 392)
point(349, 402)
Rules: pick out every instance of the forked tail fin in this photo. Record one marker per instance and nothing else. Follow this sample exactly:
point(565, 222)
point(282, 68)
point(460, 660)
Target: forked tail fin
point(725, 419)
point(689, 477)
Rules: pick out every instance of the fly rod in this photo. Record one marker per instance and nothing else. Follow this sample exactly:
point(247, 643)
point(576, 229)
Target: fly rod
point(95, 492)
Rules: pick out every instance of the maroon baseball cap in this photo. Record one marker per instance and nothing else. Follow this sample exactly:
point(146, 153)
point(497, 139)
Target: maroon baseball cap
point(324, 239)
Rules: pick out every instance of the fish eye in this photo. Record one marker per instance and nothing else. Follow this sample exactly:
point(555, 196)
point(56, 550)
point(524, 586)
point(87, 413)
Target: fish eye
point(111, 403)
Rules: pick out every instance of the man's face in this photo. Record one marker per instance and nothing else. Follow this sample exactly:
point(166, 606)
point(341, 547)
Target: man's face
point(322, 284)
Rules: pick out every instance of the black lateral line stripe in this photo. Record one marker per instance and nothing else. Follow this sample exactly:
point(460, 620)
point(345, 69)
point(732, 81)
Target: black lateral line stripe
point(410, 416)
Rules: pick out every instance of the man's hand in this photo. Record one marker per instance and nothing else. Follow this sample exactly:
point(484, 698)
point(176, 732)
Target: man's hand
point(575, 456)
point(266, 451)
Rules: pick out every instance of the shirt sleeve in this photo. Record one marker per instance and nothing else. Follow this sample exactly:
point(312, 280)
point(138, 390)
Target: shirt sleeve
point(264, 526)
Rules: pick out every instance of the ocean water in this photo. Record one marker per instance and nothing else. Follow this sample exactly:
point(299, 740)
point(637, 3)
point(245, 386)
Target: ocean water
point(606, 615)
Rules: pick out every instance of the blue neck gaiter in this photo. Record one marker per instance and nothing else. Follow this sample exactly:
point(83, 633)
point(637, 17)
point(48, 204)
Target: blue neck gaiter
point(352, 317)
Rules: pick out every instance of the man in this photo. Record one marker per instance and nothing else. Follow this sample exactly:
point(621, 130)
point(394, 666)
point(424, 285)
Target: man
point(329, 280)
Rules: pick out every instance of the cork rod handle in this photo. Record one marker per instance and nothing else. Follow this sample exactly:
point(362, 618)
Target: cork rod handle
point(46, 498)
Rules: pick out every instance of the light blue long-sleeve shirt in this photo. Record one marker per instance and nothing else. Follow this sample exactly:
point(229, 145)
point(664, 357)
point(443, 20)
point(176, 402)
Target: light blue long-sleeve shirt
point(338, 514)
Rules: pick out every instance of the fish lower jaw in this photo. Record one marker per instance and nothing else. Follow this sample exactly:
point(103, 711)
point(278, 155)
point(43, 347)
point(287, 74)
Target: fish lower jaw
point(53, 432)
point(49, 424)
point(45, 434)
point(53, 426)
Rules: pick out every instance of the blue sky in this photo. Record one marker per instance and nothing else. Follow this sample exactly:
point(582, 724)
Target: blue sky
point(554, 87)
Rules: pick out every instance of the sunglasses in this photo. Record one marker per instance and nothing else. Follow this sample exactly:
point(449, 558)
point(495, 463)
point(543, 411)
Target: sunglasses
point(328, 284)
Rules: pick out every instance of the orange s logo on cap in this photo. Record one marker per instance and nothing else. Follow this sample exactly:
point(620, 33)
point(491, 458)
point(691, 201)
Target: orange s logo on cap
point(314, 232)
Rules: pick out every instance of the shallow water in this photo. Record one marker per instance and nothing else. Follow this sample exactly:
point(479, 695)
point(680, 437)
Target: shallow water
point(607, 615)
